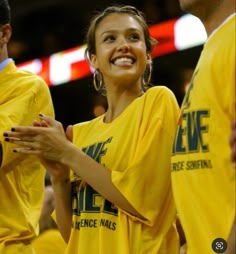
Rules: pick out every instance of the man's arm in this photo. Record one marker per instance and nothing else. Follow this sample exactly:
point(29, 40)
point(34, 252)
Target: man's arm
point(232, 141)
point(231, 241)
point(0, 154)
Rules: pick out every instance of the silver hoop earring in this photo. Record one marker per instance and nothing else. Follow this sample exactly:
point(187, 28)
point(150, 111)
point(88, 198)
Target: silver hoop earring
point(97, 80)
point(147, 74)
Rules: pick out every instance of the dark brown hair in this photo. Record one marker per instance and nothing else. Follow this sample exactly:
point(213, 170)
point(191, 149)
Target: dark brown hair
point(5, 12)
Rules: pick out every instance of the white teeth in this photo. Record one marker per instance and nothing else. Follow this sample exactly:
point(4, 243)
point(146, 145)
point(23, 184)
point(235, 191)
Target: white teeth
point(123, 60)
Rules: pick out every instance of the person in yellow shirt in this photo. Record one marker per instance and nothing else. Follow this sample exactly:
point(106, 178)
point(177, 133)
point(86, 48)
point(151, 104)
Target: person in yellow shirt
point(23, 96)
point(118, 198)
point(203, 175)
point(49, 239)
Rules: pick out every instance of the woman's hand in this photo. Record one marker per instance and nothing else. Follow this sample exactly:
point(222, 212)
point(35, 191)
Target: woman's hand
point(58, 172)
point(50, 143)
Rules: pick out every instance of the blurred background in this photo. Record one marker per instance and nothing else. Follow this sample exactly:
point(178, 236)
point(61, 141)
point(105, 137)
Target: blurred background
point(43, 27)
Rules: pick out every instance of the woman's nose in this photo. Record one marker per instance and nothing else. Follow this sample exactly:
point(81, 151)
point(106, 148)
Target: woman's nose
point(123, 45)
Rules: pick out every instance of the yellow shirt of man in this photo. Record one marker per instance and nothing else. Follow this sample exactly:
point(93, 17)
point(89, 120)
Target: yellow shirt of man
point(202, 172)
point(23, 96)
point(49, 242)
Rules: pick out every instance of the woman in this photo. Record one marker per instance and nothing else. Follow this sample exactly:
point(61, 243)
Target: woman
point(118, 198)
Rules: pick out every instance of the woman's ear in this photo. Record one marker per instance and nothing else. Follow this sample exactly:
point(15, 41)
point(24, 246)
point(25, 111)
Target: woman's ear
point(149, 59)
point(93, 61)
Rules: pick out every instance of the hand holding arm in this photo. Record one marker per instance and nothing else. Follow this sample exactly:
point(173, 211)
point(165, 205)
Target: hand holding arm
point(51, 143)
point(47, 143)
point(60, 179)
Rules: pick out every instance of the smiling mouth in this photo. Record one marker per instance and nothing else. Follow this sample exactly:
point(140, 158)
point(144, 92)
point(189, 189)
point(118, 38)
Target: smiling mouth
point(123, 61)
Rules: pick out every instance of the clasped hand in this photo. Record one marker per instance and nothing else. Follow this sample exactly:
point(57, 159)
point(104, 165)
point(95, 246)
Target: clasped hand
point(46, 139)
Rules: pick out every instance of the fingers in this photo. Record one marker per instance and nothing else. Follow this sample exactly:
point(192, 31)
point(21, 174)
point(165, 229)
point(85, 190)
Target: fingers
point(48, 121)
point(26, 145)
point(23, 143)
point(22, 136)
point(37, 128)
point(69, 132)
point(21, 133)
point(36, 123)
point(26, 150)
point(42, 123)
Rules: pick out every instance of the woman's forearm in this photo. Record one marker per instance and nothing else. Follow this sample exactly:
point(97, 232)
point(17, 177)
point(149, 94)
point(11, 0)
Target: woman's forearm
point(97, 176)
point(62, 203)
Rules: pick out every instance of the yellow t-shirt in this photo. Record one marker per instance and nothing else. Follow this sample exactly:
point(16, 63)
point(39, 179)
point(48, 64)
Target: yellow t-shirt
point(136, 147)
point(202, 172)
point(22, 97)
point(49, 242)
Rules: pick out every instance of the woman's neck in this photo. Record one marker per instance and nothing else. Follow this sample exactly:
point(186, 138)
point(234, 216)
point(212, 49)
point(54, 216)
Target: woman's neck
point(117, 103)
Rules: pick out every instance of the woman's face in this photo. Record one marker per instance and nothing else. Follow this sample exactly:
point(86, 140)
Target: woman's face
point(120, 49)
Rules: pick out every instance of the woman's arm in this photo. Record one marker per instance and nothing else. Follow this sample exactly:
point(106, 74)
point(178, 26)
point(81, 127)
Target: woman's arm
point(97, 176)
point(52, 144)
point(62, 203)
point(60, 180)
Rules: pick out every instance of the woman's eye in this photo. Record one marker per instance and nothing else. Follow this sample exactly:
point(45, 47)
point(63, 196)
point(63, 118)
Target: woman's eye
point(109, 38)
point(134, 37)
